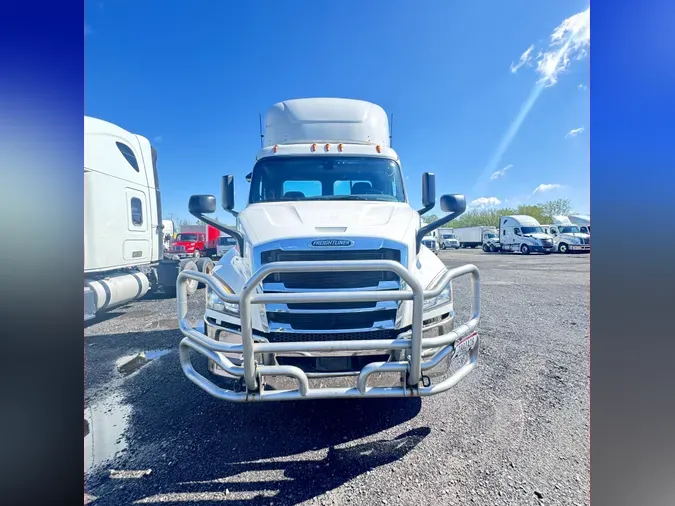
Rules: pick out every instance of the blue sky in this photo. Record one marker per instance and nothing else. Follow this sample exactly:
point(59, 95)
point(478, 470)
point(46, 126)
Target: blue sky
point(491, 96)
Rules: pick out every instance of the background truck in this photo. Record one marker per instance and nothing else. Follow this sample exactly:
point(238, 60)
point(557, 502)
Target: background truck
point(524, 234)
point(446, 238)
point(123, 232)
point(567, 237)
point(225, 244)
point(491, 243)
point(330, 292)
point(583, 221)
point(195, 241)
point(470, 237)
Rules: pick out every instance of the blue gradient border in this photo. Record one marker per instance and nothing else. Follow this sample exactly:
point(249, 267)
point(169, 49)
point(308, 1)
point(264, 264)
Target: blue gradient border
point(632, 181)
point(41, 157)
point(632, 275)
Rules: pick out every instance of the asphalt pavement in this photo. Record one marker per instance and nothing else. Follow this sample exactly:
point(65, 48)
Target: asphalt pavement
point(515, 431)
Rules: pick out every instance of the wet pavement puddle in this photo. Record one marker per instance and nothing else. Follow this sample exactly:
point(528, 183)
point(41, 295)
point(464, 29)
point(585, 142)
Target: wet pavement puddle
point(105, 423)
point(131, 363)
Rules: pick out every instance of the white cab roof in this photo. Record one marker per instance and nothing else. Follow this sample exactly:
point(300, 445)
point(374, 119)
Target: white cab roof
point(336, 120)
point(519, 220)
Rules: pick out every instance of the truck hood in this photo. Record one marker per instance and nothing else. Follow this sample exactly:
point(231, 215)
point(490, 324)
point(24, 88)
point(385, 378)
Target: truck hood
point(270, 221)
point(539, 236)
point(577, 235)
point(185, 244)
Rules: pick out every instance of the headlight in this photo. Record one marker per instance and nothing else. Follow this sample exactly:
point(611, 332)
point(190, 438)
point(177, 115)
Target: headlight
point(217, 304)
point(439, 300)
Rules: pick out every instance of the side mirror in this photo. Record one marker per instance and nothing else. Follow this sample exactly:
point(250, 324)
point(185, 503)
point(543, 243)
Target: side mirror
point(249, 176)
point(453, 204)
point(202, 204)
point(228, 193)
point(428, 192)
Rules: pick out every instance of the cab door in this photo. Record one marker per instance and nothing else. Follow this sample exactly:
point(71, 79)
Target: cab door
point(137, 246)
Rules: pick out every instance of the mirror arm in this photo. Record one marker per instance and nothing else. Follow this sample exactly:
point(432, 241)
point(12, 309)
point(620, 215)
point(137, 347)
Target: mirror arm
point(426, 208)
point(232, 232)
point(433, 226)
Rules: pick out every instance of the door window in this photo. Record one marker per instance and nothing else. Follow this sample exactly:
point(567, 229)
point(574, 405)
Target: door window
point(136, 212)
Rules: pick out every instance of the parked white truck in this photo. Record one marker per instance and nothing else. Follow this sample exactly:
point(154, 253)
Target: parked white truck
point(491, 243)
point(567, 237)
point(583, 221)
point(470, 237)
point(524, 234)
point(447, 239)
point(123, 231)
point(330, 292)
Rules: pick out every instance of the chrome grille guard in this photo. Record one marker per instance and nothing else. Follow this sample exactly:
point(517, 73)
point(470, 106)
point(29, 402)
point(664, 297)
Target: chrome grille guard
point(412, 342)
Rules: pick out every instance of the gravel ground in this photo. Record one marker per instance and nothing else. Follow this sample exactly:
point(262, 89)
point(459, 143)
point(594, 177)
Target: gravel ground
point(515, 431)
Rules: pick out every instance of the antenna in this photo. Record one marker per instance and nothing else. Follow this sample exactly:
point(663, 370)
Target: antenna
point(261, 130)
point(391, 130)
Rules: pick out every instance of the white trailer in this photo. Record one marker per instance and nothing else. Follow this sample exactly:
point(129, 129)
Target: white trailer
point(123, 230)
point(471, 237)
point(330, 279)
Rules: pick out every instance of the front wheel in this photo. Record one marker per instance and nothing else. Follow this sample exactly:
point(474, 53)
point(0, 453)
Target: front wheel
point(486, 248)
point(563, 248)
point(524, 249)
point(492, 248)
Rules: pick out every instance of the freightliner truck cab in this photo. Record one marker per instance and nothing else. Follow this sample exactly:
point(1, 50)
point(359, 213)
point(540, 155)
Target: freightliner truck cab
point(329, 291)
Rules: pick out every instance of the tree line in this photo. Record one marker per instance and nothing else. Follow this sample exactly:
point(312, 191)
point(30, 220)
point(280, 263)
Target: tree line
point(543, 213)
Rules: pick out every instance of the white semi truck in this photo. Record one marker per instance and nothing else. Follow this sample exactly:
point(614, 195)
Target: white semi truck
point(123, 230)
point(583, 221)
point(524, 234)
point(330, 291)
point(567, 237)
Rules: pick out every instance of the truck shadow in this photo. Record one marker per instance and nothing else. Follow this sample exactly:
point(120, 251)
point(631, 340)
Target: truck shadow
point(204, 450)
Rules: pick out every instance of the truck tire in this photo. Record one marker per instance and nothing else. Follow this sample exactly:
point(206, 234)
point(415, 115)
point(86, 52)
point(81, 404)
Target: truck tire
point(524, 249)
point(192, 285)
point(563, 248)
point(206, 266)
point(486, 248)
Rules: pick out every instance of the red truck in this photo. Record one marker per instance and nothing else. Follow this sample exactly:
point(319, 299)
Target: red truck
point(195, 241)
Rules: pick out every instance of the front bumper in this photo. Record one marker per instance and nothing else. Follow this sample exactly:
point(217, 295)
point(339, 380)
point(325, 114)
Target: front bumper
point(579, 247)
point(410, 355)
point(541, 249)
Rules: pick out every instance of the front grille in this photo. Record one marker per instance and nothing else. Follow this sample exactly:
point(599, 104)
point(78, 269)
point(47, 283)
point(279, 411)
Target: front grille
point(291, 337)
point(179, 248)
point(332, 321)
point(585, 241)
point(547, 242)
point(347, 317)
point(342, 280)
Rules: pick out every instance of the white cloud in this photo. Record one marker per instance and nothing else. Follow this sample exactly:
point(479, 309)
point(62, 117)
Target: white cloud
point(542, 188)
point(570, 41)
point(500, 173)
point(525, 59)
point(574, 132)
point(485, 202)
point(582, 87)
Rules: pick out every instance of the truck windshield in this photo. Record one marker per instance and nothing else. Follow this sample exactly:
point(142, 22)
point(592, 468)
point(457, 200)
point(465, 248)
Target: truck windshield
point(569, 230)
point(532, 230)
point(491, 236)
point(187, 237)
point(326, 178)
point(226, 241)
